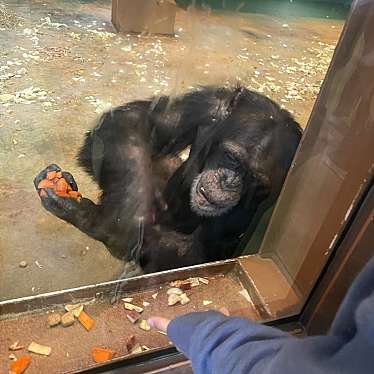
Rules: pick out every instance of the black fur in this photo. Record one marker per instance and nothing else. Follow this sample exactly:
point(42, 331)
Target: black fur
point(241, 147)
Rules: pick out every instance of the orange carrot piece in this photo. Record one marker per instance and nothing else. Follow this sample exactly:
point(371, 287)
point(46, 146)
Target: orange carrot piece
point(62, 194)
point(86, 320)
point(51, 175)
point(61, 185)
point(102, 354)
point(20, 365)
point(45, 183)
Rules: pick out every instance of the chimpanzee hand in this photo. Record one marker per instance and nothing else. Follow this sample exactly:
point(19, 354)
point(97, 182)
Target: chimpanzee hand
point(62, 207)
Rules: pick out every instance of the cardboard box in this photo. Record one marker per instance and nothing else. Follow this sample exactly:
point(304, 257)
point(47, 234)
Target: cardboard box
point(144, 16)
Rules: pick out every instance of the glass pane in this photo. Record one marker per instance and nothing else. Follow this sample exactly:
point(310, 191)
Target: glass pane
point(63, 65)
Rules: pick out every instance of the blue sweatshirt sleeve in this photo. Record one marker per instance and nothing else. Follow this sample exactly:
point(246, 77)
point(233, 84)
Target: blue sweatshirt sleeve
point(219, 344)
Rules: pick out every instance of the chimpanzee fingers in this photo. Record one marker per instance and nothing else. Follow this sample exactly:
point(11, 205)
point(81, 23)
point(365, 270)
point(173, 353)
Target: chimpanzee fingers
point(70, 179)
point(62, 207)
point(43, 174)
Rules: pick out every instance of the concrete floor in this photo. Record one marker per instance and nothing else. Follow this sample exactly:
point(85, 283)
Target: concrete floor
point(61, 65)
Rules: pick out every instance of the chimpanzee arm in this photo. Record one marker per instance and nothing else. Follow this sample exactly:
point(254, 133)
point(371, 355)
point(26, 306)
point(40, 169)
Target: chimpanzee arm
point(117, 153)
point(178, 122)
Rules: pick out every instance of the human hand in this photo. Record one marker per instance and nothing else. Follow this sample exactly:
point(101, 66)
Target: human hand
point(158, 323)
point(161, 323)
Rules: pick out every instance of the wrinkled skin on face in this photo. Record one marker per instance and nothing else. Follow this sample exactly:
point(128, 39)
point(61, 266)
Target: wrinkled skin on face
point(215, 192)
point(219, 187)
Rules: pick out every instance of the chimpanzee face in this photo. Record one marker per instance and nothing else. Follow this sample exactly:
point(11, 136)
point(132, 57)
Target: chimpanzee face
point(219, 186)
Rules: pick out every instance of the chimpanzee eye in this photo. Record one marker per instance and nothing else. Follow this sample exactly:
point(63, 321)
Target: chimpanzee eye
point(232, 159)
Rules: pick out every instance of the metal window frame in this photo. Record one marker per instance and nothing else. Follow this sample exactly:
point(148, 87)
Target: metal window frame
point(314, 292)
point(352, 231)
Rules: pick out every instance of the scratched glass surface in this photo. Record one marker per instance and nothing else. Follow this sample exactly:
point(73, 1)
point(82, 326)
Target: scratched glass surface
point(62, 64)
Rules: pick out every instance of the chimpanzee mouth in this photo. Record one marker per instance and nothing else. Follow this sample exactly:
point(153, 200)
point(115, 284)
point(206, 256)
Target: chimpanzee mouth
point(203, 204)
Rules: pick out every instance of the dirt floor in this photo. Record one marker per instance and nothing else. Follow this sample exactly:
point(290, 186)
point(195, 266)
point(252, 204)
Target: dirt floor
point(61, 65)
point(71, 346)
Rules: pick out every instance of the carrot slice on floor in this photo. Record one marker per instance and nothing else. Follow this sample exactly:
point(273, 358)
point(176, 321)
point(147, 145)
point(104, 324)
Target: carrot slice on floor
point(86, 320)
point(20, 365)
point(102, 354)
point(51, 175)
point(45, 183)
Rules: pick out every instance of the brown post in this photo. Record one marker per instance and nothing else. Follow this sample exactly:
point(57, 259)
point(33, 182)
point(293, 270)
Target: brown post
point(334, 162)
point(144, 16)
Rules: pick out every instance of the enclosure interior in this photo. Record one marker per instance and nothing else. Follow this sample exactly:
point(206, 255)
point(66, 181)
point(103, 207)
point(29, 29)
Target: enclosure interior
point(62, 65)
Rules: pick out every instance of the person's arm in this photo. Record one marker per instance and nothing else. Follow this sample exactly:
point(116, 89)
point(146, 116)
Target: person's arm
point(218, 344)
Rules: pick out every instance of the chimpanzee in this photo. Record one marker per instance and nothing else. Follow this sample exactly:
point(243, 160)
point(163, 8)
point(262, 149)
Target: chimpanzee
point(161, 212)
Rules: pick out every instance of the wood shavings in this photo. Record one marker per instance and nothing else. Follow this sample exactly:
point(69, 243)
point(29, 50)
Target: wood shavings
point(144, 325)
point(136, 349)
point(5, 98)
point(185, 286)
point(154, 296)
point(22, 264)
point(53, 319)
point(127, 299)
point(174, 291)
point(173, 299)
point(76, 309)
point(131, 341)
point(12, 357)
point(133, 316)
point(184, 299)
point(193, 282)
point(203, 280)
point(146, 303)
point(8, 19)
point(207, 302)
point(39, 349)
point(103, 35)
point(130, 306)
point(16, 346)
point(67, 319)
